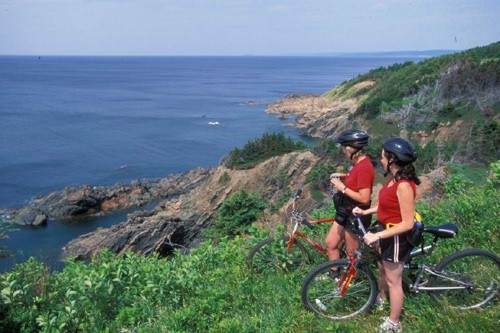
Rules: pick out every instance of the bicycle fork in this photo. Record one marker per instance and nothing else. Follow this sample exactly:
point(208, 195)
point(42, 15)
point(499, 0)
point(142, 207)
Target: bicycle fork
point(348, 275)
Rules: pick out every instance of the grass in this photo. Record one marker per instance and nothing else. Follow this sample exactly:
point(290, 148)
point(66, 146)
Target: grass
point(477, 173)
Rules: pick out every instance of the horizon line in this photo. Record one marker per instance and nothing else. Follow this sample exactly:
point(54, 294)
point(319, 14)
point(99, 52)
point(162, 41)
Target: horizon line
point(317, 54)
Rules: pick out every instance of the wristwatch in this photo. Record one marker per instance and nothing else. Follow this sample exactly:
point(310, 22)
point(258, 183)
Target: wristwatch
point(345, 189)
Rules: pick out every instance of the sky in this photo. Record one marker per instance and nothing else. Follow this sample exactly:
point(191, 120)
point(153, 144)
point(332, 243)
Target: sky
point(243, 27)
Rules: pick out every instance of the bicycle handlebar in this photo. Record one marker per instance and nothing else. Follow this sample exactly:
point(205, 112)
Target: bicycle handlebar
point(361, 227)
point(306, 222)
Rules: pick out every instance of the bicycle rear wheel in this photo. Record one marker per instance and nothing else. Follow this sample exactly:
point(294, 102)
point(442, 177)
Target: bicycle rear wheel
point(321, 295)
point(271, 254)
point(476, 270)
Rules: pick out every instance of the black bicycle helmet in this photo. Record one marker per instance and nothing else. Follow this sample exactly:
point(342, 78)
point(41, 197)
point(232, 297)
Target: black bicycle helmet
point(353, 138)
point(402, 148)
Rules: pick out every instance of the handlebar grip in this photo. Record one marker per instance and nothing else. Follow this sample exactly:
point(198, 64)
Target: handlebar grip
point(306, 222)
point(361, 227)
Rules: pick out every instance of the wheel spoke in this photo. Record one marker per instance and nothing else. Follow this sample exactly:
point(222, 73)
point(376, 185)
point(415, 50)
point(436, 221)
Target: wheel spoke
point(476, 272)
point(271, 254)
point(321, 295)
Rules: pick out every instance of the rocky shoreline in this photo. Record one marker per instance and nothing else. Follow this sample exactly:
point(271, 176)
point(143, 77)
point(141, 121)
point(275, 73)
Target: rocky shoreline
point(316, 116)
point(78, 201)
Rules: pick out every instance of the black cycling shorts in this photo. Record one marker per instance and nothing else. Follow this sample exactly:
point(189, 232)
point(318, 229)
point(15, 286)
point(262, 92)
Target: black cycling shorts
point(396, 248)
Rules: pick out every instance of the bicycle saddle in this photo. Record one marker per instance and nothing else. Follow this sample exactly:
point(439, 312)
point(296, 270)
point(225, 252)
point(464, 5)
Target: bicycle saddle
point(446, 230)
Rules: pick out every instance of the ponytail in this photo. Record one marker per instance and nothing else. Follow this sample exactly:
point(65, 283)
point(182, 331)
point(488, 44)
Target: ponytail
point(406, 170)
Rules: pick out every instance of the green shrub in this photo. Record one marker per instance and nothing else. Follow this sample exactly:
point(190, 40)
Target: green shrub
point(238, 213)
point(225, 178)
point(473, 208)
point(261, 149)
point(486, 140)
point(319, 176)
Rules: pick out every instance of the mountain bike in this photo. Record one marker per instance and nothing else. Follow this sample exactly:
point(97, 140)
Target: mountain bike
point(465, 280)
point(286, 252)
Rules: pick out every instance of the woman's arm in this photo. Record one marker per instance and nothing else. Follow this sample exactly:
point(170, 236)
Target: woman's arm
point(362, 196)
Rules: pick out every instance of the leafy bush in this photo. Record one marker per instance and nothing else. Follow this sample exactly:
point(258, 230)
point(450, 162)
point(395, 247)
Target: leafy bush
point(485, 146)
point(238, 213)
point(473, 208)
point(225, 178)
point(319, 176)
point(261, 149)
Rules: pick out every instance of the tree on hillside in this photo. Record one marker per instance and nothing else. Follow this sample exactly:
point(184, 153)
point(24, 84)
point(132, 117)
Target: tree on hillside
point(267, 146)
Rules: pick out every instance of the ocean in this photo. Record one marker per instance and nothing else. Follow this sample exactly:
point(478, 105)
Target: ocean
point(106, 120)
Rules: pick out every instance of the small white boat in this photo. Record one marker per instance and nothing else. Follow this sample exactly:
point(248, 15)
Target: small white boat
point(213, 123)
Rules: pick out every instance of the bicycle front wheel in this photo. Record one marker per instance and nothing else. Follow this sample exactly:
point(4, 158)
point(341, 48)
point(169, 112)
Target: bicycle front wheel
point(271, 254)
point(475, 275)
point(320, 292)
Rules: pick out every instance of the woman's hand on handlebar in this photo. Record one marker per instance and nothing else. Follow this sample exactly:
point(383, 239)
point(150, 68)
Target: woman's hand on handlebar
point(370, 238)
point(368, 211)
point(358, 211)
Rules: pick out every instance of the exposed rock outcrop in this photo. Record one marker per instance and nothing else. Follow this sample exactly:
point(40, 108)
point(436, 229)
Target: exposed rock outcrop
point(316, 116)
point(177, 222)
point(83, 200)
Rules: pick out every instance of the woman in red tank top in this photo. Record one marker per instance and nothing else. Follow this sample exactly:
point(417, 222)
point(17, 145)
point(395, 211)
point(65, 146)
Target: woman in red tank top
point(354, 190)
point(395, 212)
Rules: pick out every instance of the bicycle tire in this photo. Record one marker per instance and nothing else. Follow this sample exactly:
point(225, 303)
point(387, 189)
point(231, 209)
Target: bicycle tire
point(320, 294)
point(479, 269)
point(271, 254)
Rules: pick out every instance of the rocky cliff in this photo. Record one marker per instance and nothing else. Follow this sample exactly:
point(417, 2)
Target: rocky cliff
point(316, 116)
point(177, 222)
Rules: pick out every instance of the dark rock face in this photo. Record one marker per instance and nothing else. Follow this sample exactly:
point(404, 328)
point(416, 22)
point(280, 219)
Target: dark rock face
point(145, 232)
point(78, 201)
point(34, 217)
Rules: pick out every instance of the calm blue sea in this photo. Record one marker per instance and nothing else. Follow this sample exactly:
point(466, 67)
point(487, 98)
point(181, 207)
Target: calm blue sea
point(103, 120)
